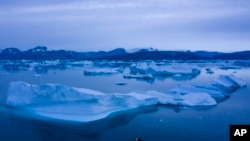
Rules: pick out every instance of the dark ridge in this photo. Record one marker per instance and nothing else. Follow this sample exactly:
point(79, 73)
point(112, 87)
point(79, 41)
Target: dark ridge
point(42, 53)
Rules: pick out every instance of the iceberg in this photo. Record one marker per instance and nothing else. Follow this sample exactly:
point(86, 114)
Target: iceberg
point(228, 83)
point(139, 76)
point(132, 100)
point(197, 99)
point(221, 87)
point(191, 99)
point(101, 71)
point(153, 69)
point(186, 89)
point(21, 94)
point(79, 104)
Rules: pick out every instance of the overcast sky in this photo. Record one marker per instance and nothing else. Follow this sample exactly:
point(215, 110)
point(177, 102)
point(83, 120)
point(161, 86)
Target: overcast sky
point(86, 25)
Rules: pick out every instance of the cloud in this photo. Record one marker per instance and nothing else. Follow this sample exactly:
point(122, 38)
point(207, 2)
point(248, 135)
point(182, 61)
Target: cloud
point(111, 23)
point(75, 6)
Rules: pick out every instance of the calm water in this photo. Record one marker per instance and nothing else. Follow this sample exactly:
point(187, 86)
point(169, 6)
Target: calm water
point(153, 123)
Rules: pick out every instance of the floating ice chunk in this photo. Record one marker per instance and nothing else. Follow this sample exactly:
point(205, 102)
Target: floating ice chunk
point(190, 99)
point(151, 68)
point(79, 104)
point(79, 63)
point(186, 89)
point(101, 71)
point(229, 67)
point(229, 81)
point(142, 68)
point(89, 92)
point(132, 99)
point(183, 69)
point(163, 98)
point(139, 76)
point(142, 99)
point(198, 99)
point(21, 93)
point(238, 81)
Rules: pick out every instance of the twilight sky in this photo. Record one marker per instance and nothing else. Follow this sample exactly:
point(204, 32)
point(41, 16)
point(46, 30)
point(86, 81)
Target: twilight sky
point(91, 25)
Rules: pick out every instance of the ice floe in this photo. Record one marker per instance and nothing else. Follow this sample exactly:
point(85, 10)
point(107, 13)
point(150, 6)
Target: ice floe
point(228, 83)
point(80, 104)
point(186, 89)
point(101, 71)
point(139, 76)
point(190, 99)
point(174, 71)
point(152, 68)
point(42, 99)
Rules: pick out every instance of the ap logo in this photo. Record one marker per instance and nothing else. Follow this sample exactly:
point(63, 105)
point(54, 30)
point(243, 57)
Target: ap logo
point(239, 132)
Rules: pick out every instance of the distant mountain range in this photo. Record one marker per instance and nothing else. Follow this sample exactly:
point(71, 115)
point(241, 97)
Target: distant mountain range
point(42, 53)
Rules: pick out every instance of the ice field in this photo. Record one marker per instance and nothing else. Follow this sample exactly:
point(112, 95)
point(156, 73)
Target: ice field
point(103, 100)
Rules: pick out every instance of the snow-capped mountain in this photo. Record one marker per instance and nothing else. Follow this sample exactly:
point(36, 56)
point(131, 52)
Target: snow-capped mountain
point(10, 51)
point(42, 53)
point(38, 49)
point(134, 50)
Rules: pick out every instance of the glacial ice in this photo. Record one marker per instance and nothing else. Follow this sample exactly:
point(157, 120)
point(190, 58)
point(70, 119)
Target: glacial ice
point(21, 94)
point(79, 112)
point(150, 71)
point(190, 99)
point(153, 69)
point(139, 76)
point(186, 89)
point(228, 81)
point(79, 104)
point(60, 102)
point(197, 99)
point(101, 71)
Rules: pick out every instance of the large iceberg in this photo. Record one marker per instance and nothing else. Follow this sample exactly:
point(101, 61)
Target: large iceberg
point(79, 104)
point(21, 94)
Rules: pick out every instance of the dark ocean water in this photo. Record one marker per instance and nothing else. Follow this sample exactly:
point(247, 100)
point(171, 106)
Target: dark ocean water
point(152, 123)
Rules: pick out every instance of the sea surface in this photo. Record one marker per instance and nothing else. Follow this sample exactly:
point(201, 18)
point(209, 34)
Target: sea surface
point(151, 123)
